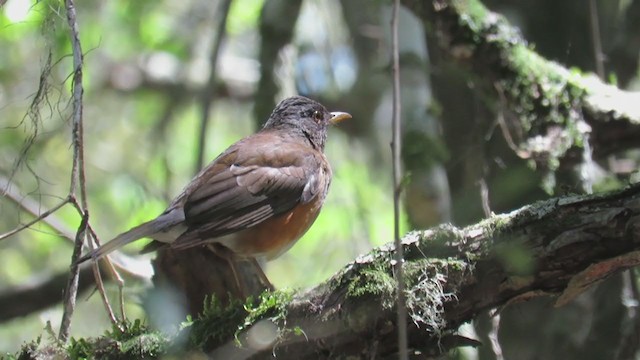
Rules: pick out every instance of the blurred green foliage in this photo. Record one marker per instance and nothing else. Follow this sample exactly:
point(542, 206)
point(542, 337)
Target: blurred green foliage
point(243, 16)
point(137, 59)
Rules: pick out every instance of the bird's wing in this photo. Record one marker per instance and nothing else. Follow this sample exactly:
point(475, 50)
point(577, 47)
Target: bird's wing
point(248, 185)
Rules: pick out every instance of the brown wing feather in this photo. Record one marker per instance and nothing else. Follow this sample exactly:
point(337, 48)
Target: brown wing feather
point(246, 186)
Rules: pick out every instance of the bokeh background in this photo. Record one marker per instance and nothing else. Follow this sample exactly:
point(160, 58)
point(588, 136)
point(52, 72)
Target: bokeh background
point(154, 68)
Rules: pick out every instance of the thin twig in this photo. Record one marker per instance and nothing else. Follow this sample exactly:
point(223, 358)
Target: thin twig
point(91, 238)
point(71, 290)
point(209, 90)
point(39, 218)
point(77, 90)
point(395, 150)
point(13, 193)
point(47, 216)
point(77, 171)
point(99, 283)
point(102, 292)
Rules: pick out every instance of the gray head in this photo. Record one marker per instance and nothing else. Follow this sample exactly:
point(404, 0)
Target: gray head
point(306, 117)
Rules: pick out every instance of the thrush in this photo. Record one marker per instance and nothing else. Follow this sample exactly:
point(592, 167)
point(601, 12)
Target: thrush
point(257, 198)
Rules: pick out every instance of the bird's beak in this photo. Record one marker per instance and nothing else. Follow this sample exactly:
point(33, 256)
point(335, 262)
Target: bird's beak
point(338, 116)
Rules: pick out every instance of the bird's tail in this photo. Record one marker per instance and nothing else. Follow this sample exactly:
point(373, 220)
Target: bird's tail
point(138, 232)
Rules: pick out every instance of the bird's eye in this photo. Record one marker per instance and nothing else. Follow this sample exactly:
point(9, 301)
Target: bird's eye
point(318, 116)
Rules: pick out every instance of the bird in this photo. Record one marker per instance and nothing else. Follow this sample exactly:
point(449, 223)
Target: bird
point(257, 198)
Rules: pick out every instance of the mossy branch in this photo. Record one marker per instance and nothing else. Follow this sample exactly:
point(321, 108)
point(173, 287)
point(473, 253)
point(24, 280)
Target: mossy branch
point(550, 111)
point(557, 247)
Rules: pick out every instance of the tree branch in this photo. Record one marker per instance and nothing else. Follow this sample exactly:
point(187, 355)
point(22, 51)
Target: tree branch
point(549, 107)
point(454, 274)
point(39, 294)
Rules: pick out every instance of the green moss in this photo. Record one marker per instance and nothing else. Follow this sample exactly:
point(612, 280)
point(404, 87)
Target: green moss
point(374, 281)
point(435, 242)
point(492, 227)
point(475, 9)
point(271, 305)
point(134, 341)
point(542, 93)
point(539, 92)
point(143, 346)
point(79, 349)
point(501, 222)
point(473, 15)
point(458, 265)
point(426, 279)
point(447, 233)
point(218, 324)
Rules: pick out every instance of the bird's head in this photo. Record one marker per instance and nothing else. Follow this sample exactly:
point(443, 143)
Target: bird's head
point(301, 115)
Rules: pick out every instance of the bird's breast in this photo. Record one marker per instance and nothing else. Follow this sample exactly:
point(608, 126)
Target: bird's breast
point(274, 236)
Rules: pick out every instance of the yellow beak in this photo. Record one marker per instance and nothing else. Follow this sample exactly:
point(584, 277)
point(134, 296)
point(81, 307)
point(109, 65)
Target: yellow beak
point(338, 116)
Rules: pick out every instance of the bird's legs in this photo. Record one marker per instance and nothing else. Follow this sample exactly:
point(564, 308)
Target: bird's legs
point(226, 254)
point(263, 277)
point(231, 258)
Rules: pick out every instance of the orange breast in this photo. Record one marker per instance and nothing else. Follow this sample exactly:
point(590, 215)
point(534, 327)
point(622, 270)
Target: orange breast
point(273, 237)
